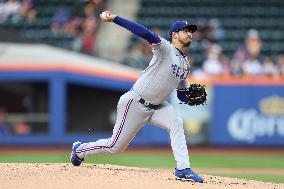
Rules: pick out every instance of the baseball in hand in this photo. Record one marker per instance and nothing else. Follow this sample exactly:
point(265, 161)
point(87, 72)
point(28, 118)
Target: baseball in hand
point(103, 15)
point(107, 16)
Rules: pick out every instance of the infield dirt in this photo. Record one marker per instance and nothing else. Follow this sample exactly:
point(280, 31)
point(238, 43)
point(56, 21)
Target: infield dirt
point(46, 176)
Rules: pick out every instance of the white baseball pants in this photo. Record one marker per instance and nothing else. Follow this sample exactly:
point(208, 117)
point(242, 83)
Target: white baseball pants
point(131, 117)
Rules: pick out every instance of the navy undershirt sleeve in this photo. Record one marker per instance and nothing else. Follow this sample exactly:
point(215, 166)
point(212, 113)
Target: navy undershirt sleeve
point(137, 29)
point(182, 95)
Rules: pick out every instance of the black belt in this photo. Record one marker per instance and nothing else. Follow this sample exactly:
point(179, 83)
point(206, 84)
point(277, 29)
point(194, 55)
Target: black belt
point(147, 104)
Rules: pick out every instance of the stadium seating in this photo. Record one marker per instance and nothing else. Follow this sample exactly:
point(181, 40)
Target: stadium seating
point(236, 17)
point(38, 30)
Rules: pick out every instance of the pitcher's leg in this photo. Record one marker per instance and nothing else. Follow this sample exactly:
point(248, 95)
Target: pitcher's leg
point(166, 117)
point(129, 122)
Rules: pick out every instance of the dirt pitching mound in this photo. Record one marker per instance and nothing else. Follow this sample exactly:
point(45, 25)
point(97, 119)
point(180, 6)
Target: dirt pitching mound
point(26, 176)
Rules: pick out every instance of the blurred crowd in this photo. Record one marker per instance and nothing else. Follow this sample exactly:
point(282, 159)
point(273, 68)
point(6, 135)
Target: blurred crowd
point(245, 60)
point(82, 23)
point(79, 20)
point(15, 11)
point(83, 26)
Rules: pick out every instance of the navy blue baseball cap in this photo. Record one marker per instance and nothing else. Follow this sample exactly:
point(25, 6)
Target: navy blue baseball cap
point(179, 25)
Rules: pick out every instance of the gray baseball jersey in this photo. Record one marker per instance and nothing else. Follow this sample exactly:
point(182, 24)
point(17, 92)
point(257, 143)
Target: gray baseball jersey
point(167, 70)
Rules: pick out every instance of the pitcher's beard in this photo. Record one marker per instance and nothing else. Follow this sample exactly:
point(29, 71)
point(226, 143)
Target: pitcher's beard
point(187, 44)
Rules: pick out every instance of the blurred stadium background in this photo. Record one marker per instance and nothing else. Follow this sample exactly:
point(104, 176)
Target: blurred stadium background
point(62, 72)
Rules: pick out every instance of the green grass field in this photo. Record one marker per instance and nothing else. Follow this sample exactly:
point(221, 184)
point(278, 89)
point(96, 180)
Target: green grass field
point(166, 160)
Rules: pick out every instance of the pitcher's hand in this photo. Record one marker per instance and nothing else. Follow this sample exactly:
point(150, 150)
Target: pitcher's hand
point(107, 16)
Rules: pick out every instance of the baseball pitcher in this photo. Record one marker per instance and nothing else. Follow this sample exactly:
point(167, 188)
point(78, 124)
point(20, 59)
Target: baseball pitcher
point(146, 102)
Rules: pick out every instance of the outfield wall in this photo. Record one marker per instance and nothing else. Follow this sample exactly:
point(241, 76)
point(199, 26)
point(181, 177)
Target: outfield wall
point(248, 114)
point(74, 97)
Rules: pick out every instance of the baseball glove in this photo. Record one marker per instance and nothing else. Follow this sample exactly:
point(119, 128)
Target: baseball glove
point(196, 95)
